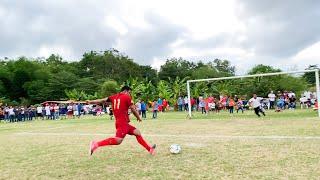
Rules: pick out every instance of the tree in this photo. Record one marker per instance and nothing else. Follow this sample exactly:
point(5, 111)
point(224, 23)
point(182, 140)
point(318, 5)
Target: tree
point(37, 91)
point(260, 69)
point(87, 85)
point(164, 90)
point(223, 67)
point(20, 77)
point(148, 73)
point(59, 83)
point(204, 72)
point(108, 88)
point(109, 64)
point(176, 68)
point(310, 76)
point(178, 87)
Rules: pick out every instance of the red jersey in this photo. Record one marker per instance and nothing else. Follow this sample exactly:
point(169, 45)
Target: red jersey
point(193, 101)
point(120, 105)
point(164, 103)
point(210, 99)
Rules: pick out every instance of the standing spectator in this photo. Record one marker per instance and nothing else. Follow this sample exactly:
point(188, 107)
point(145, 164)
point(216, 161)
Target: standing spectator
point(143, 109)
point(75, 110)
point(16, 113)
point(56, 111)
point(240, 105)
point(39, 112)
point(138, 107)
point(19, 114)
point(22, 114)
point(70, 110)
point(164, 105)
point(32, 113)
point(160, 107)
point(206, 106)
point(79, 109)
point(316, 105)
point(218, 105)
point(255, 103)
point(180, 103)
point(52, 116)
point(193, 104)
point(231, 105)
point(272, 98)
point(202, 105)
point(210, 102)
point(223, 101)
point(154, 109)
point(186, 103)
point(63, 111)
point(48, 112)
point(11, 114)
point(236, 98)
point(280, 103)
point(291, 94)
point(6, 113)
point(1, 114)
point(292, 102)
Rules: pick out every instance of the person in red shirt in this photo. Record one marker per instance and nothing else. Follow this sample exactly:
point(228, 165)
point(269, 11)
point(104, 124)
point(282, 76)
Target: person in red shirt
point(121, 102)
point(164, 105)
point(193, 103)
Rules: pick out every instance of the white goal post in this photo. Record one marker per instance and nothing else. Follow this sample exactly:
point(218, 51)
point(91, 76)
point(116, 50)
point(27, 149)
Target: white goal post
point(316, 71)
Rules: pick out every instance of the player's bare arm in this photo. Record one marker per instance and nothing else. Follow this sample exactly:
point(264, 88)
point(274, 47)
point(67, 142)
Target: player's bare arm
point(103, 100)
point(135, 112)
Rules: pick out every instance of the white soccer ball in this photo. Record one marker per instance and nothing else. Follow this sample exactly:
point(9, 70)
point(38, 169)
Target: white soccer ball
point(175, 149)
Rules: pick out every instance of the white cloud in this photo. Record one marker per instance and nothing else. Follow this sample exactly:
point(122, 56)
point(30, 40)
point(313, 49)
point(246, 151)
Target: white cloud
point(247, 32)
point(116, 24)
point(47, 50)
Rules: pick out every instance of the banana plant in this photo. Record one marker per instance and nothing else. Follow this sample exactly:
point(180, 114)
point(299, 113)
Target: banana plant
point(178, 87)
point(164, 90)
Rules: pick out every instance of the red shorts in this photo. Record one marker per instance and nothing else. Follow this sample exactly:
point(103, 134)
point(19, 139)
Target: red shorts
point(123, 130)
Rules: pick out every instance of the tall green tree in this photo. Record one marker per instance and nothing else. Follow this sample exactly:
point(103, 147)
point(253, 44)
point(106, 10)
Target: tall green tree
point(176, 68)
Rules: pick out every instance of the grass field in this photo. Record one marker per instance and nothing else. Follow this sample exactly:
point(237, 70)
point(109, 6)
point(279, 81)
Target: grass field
point(218, 146)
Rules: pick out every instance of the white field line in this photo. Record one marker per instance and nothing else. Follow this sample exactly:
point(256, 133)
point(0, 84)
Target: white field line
point(208, 136)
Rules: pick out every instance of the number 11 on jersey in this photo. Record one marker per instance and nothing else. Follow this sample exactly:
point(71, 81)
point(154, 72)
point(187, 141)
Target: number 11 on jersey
point(116, 104)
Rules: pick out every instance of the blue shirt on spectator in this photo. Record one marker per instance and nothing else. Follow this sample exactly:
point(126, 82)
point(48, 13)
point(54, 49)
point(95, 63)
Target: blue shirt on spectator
point(143, 106)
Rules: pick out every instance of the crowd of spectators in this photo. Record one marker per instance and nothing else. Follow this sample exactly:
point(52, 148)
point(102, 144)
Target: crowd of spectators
point(47, 111)
point(54, 111)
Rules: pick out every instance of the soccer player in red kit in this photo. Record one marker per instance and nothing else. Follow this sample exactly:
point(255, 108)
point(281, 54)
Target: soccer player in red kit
point(121, 102)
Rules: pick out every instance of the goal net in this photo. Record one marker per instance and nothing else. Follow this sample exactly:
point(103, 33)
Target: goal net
point(267, 85)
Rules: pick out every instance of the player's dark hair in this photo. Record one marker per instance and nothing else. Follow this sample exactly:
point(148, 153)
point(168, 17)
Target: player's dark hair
point(126, 88)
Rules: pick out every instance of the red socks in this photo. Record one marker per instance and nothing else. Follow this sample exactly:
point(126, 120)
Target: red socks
point(113, 141)
point(143, 142)
point(109, 141)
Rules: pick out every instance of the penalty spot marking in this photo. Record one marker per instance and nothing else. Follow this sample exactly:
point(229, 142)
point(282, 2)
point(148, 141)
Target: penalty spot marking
point(208, 136)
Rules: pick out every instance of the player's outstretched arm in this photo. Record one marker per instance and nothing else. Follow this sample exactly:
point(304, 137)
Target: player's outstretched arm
point(103, 100)
point(135, 113)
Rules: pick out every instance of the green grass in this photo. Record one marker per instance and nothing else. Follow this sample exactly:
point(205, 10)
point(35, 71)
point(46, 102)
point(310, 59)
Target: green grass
point(224, 146)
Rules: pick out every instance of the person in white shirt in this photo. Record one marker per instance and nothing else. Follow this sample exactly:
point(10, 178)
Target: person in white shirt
point(11, 114)
point(291, 94)
point(138, 106)
point(70, 111)
point(272, 98)
point(307, 94)
point(48, 112)
point(39, 111)
point(255, 102)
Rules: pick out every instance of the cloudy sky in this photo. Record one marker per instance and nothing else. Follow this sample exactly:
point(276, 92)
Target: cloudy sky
point(281, 33)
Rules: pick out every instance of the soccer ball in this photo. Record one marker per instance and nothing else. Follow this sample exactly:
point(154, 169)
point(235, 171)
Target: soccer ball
point(175, 149)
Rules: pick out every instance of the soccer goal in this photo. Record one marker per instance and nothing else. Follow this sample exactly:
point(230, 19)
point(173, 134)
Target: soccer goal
point(316, 71)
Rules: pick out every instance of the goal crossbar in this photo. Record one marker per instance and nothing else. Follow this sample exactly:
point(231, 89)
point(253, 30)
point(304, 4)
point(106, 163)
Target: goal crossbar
point(316, 71)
